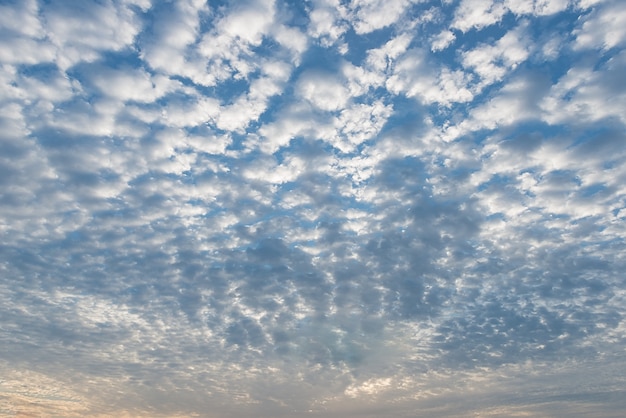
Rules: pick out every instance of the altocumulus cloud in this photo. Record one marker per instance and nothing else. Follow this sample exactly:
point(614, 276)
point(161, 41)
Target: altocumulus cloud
point(325, 208)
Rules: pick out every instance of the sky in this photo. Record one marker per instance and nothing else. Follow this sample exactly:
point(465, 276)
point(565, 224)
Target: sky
point(324, 208)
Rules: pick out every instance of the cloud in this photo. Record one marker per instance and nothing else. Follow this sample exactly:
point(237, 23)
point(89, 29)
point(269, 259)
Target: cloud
point(585, 94)
point(442, 40)
point(414, 76)
point(478, 14)
point(362, 122)
point(175, 28)
point(492, 62)
point(84, 33)
point(370, 15)
point(603, 30)
point(22, 19)
point(246, 109)
point(327, 22)
point(322, 91)
point(132, 85)
point(228, 50)
point(324, 209)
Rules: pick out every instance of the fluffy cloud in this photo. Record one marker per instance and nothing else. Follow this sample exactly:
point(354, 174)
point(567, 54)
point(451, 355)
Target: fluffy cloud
point(414, 76)
point(478, 14)
point(492, 62)
point(322, 91)
point(84, 33)
point(442, 40)
point(327, 21)
point(587, 94)
point(370, 15)
point(603, 28)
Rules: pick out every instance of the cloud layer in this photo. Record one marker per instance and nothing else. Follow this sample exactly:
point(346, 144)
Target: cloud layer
point(275, 208)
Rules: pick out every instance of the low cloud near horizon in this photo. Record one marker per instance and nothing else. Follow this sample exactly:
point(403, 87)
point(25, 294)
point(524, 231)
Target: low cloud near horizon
point(275, 208)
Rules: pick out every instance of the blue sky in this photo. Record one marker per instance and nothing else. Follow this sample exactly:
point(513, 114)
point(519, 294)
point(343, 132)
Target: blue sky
point(320, 208)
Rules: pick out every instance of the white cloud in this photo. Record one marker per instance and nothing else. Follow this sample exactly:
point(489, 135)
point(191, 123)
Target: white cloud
point(550, 184)
point(371, 387)
point(537, 7)
point(477, 14)
point(382, 59)
point(83, 33)
point(586, 4)
point(603, 28)
point(192, 111)
point(136, 85)
point(22, 19)
point(26, 51)
point(513, 104)
point(585, 94)
point(361, 80)
point(176, 28)
point(370, 15)
point(301, 122)
point(323, 90)
point(172, 141)
point(54, 87)
point(451, 87)
point(415, 76)
point(144, 5)
point(295, 120)
point(228, 47)
point(442, 40)
point(22, 40)
point(327, 21)
point(268, 170)
point(516, 102)
point(359, 123)
point(236, 117)
point(250, 23)
point(291, 38)
point(249, 107)
point(493, 62)
point(552, 48)
point(408, 70)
